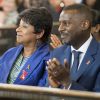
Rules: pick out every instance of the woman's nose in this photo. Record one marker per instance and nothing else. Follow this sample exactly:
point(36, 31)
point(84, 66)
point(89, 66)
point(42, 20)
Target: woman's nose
point(61, 28)
point(17, 29)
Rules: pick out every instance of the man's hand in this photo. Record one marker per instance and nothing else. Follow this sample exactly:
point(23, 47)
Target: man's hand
point(59, 73)
point(53, 83)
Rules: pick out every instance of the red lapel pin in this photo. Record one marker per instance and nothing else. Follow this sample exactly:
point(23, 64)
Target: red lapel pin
point(24, 73)
point(88, 62)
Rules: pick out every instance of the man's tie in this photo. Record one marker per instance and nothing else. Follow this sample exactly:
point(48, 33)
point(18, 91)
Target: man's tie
point(74, 67)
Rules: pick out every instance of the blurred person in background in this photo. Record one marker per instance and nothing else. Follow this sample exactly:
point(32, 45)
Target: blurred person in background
point(70, 2)
point(93, 4)
point(57, 5)
point(10, 13)
point(25, 64)
point(55, 9)
point(95, 30)
point(38, 3)
point(1, 3)
point(23, 4)
point(2, 17)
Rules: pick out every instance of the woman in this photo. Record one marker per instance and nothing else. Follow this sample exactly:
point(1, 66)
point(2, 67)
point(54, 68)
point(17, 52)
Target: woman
point(25, 64)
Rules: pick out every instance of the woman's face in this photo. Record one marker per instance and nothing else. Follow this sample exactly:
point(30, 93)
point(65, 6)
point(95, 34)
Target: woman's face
point(25, 33)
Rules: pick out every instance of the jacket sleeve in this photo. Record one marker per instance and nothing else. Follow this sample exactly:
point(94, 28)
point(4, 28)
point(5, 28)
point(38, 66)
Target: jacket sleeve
point(97, 84)
point(43, 80)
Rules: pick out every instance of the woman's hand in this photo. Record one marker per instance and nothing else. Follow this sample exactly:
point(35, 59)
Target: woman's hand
point(55, 41)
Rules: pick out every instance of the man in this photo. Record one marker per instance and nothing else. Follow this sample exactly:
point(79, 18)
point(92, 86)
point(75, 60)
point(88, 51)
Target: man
point(75, 65)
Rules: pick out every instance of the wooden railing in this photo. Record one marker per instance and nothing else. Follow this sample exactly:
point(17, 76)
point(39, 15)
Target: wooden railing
point(19, 92)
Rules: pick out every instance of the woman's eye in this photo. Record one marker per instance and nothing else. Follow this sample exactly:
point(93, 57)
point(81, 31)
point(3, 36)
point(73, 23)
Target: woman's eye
point(22, 26)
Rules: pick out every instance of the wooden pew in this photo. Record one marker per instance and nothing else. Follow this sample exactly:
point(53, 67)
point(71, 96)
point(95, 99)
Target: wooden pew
point(19, 92)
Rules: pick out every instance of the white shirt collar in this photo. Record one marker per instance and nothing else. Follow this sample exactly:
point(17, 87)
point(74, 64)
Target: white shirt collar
point(85, 46)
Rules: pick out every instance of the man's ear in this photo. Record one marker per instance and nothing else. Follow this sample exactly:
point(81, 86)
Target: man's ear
point(40, 34)
point(85, 24)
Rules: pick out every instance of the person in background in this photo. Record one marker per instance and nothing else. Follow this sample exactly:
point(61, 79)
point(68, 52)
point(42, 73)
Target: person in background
point(96, 25)
point(10, 13)
point(2, 17)
point(93, 4)
point(77, 62)
point(25, 63)
point(23, 4)
point(1, 3)
point(70, 2)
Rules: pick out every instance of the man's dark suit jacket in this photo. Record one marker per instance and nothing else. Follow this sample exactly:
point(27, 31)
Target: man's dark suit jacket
point(88, 75)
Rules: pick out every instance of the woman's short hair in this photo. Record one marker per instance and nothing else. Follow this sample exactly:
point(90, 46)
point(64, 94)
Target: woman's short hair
point(40, 18)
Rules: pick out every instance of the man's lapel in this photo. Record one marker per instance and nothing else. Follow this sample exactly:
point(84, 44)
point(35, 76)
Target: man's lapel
point(65, 53)
point(88, 59)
